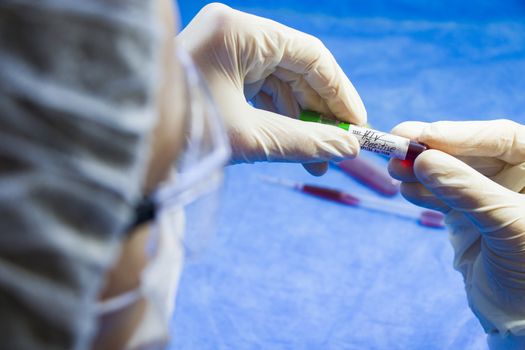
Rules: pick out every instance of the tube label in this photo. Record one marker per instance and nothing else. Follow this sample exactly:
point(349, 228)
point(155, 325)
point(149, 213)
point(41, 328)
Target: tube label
point(379, 142)
point(375, 141)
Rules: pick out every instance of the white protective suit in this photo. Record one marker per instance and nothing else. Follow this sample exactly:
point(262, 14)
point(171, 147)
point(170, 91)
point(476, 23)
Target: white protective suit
point(77, 101)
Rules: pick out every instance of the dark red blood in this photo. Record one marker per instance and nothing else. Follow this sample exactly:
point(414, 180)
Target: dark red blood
point(407, 163)
point(414, 150)
point(370, 175)
point(431, 218)
point(331, 194)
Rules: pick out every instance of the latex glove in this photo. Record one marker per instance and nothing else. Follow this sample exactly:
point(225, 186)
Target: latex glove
point(244, 57)
point(474, 174)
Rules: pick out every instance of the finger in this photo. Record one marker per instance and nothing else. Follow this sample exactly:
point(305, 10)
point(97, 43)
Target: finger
point(411, 130)
point(308, 56)
point(277, 96)
point(264, 45)
point(282, 96)
point(402, 170)
point(272, 137)
point(501, 139)
point(487, 166)
point(252, 89)
point(490, 206)
point(306, 97)
point(512, 177)
point(417, 194)
point(264, 101)
point(316, 169)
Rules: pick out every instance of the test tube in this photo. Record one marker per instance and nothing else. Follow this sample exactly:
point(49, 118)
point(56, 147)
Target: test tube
point(428, 218)
point(371, 175)
point(392, 146)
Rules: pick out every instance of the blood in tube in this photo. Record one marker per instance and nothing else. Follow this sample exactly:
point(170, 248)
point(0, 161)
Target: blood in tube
point(330, 194)
point(428, 218)
point(431, 218)
point(414, 150)
point(379, 142)
point(371, 175)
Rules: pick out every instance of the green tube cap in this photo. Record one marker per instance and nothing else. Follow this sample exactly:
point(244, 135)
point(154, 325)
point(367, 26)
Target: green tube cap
point(310, 116)
point(316, 117)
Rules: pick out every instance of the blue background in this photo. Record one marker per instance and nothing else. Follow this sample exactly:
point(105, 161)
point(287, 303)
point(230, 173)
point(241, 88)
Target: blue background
point(287, 271)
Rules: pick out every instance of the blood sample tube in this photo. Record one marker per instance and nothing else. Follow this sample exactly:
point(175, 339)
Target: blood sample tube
point(431, 218)
point(370, 175)
point(329, 193)
point(428, 218)
point(392, 146)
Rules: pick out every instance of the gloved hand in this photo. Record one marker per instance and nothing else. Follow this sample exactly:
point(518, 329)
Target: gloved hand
point(244, 57)
point(474, 173)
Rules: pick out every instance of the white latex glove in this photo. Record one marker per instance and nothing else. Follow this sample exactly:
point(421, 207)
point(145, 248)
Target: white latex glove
point(475, 173)
point(244, 57)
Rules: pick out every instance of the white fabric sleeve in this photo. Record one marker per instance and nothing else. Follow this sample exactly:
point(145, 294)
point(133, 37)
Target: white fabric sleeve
point(77, 93)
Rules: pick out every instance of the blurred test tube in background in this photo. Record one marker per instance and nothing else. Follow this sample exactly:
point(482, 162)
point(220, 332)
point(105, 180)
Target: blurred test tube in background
point(371, 175)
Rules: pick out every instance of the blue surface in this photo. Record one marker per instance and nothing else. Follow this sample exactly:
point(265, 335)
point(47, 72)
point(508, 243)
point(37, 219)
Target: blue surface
point(287, 271)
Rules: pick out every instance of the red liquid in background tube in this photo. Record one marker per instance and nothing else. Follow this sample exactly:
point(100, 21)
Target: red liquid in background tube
point(428, 218)
point(330, 194)
point(370, 175)
point(431, 218)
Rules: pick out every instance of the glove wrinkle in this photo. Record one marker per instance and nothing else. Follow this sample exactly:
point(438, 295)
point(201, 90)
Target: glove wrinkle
point(478, 169)
point(280, 70)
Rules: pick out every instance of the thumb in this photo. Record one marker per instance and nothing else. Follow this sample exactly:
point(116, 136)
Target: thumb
point(490, 206)
point(270, 136)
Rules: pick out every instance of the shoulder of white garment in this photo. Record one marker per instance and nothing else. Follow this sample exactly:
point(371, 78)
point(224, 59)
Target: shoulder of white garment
point(77, 103)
